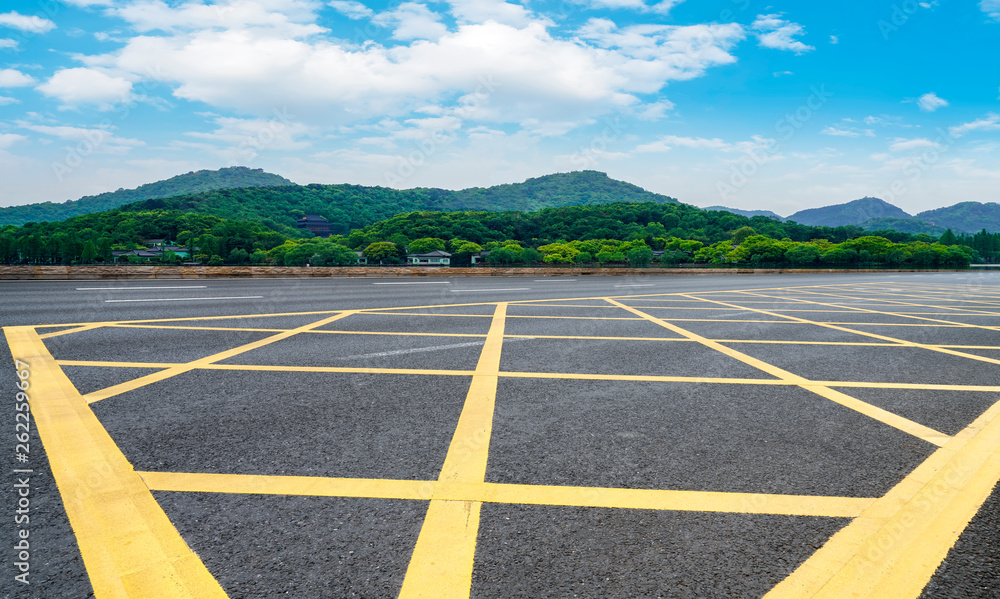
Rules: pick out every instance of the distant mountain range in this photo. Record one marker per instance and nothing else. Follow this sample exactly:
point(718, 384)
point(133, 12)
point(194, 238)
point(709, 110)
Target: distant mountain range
point(875, 214)
point(349, 207)
point(193, 182)
point(252, 194)
point(748, 213)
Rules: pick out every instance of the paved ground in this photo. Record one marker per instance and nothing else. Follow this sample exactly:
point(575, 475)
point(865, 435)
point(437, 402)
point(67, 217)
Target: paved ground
point(701, 436)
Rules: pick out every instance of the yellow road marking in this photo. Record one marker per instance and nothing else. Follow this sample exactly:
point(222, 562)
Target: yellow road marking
point(202, 362)
point(548, 375)
point(89, 327)
point(128, 545)
point(639, 499)
point(441, 565)
point(894, 547)
point(894, 420)
point(901, 342)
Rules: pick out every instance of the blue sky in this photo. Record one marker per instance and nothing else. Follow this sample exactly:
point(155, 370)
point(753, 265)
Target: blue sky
point(778, 105)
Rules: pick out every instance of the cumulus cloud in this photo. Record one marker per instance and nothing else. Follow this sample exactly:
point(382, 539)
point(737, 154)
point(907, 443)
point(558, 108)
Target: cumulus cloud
point(528, 73)
point(294, 19)
point(902, 145)
point(931, 102)
point(352, 9)
point(411, 20)
point(991, 8)
point(14, 78)
point(9, 139)
point(102, 141)
point(27, 23)
point(777, 33)
point(834, 131)
point(663, 7)
point(85, 86)
point(990, 122)
point(669, 142)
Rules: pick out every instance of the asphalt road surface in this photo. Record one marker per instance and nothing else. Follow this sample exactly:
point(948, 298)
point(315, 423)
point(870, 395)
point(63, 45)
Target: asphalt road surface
point(604, 437)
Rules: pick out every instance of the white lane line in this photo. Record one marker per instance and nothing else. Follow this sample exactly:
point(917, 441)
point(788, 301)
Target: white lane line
point(485, 290)
point(399, 352)
point(644, 285)
point(134, 288)
point(183, 299)
point(552, 280)
point(417, 283)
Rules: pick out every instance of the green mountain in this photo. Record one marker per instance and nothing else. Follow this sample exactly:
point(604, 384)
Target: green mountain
point(966, 217)
point(748, 213)
point(851, 213)
point(914, 226)
point(193, 182)
point(350, 207)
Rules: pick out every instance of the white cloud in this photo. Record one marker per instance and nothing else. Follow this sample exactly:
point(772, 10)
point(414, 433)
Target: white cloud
point(990, 122)
point(86, 86)
point(902, 145)
point(483, 11)
point(663, 7)
point(834, 39)
point(294, 19)
point(5, 100)
point(669, 142)
point(834, 131)
point(28, 23)
point(498, 72)
point(9, 139)
point(777, 33)
point(8, 43)
point(931, 102)
point(783, 73)
point(102, 141)
point(86, 3)
point(352, 9)
point(14, 78)
point(991, 8)
point(412, 21)
point(240, 141)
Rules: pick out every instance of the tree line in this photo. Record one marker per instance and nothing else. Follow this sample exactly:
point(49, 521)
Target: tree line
point(617, 233)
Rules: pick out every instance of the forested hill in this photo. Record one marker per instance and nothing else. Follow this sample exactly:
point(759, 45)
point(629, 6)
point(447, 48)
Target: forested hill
point(193, 182)
point(350, 207)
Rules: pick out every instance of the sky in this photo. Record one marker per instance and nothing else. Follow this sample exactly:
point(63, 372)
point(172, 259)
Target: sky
point(775, 105)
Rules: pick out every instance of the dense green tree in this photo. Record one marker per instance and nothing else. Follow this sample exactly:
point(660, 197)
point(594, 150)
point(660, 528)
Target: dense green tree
point(381, 251)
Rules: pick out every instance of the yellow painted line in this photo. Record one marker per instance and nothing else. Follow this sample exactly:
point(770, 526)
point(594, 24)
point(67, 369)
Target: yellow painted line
point(546, 375)
point(197, 482)
point(88, 327)
point(441, 565)
point(171, 372)
point(645, 378)
point(901, 342)
point(129, 547)
point(110, 364)
point(180, 328)
point(694, 501)
point(639, 499)
point(894, 420)
point(893, 548)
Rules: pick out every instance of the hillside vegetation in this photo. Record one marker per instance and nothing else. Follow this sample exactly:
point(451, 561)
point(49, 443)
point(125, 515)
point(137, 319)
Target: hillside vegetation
point(350, 207)
point(851, 213)
point(194, 182)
